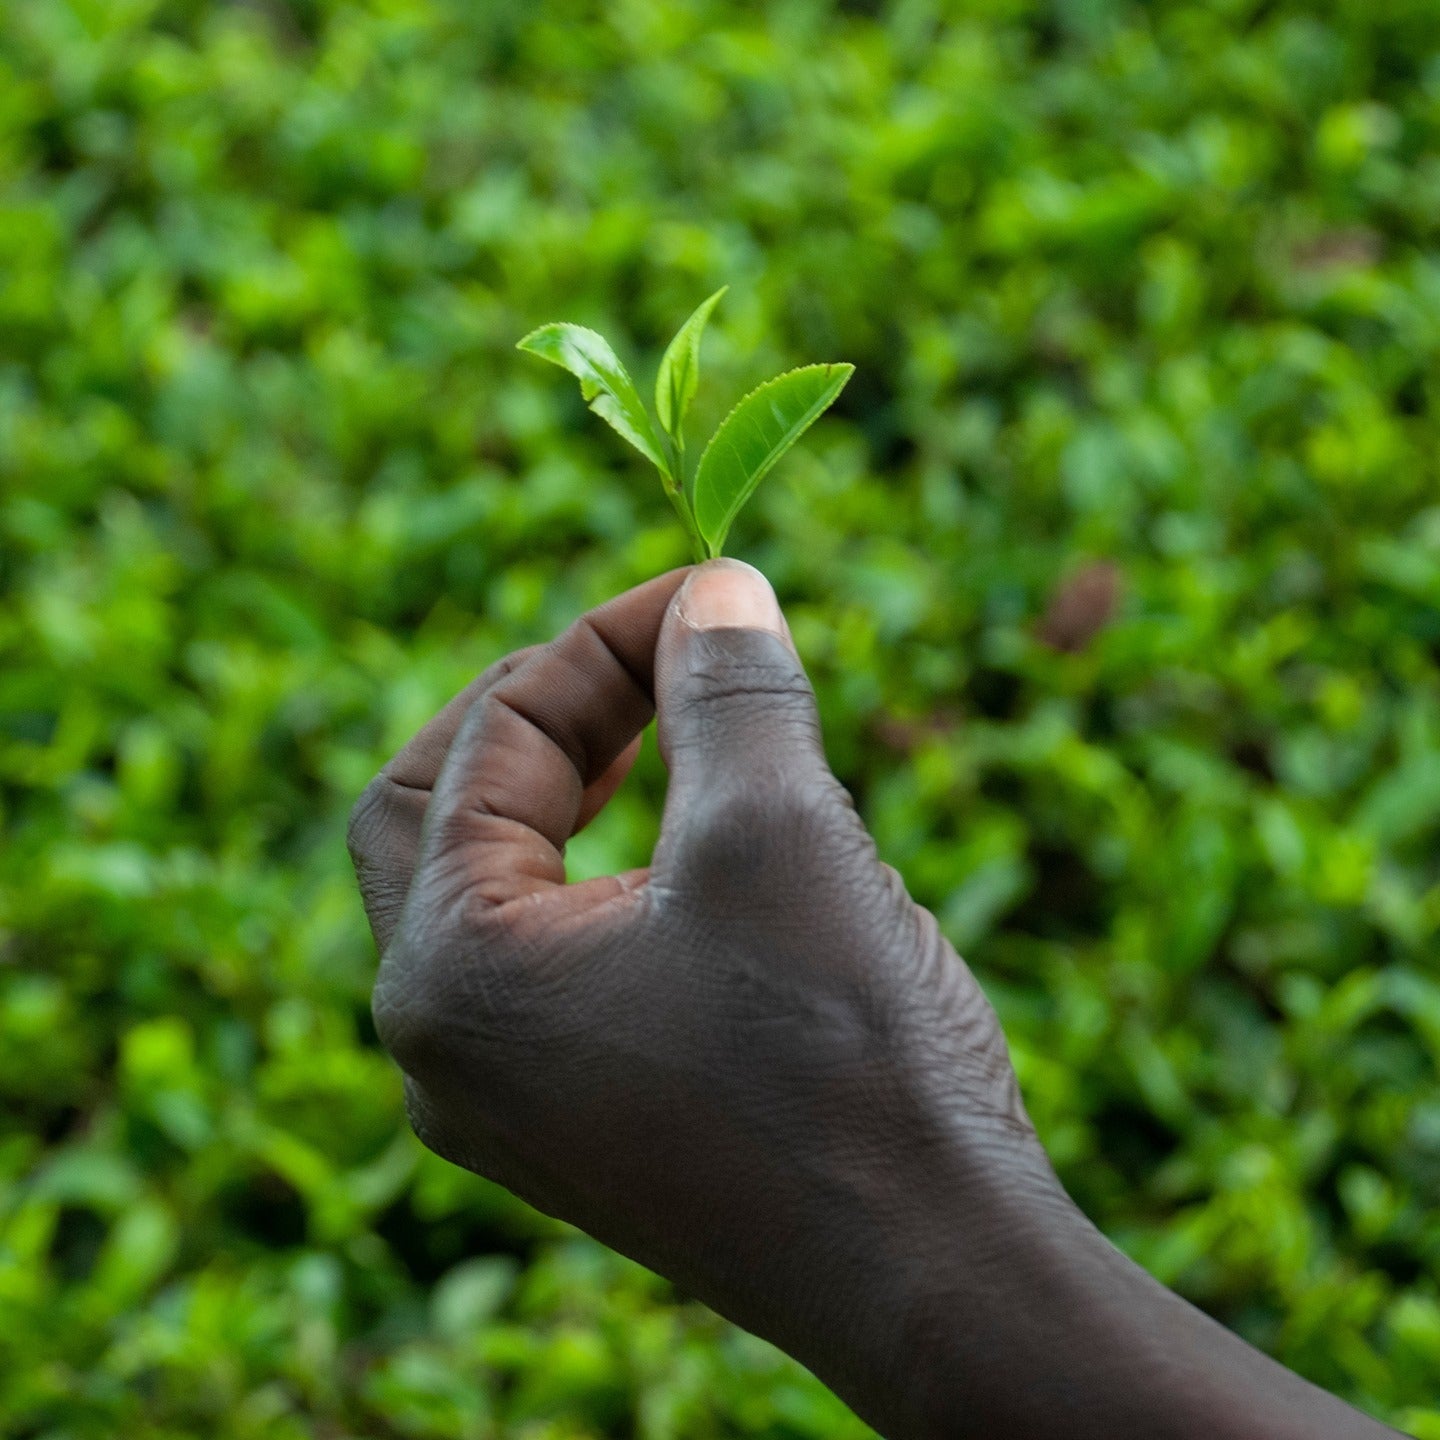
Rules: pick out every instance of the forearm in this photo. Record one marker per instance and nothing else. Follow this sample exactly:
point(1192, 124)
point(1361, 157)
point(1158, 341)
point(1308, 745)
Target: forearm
point(1024, 1321)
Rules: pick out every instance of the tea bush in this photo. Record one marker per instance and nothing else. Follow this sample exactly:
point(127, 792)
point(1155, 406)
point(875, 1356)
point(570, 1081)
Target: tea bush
point(1117, 568)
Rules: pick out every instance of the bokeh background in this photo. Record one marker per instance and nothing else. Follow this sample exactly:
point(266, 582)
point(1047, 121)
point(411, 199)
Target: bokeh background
point(1117, 568)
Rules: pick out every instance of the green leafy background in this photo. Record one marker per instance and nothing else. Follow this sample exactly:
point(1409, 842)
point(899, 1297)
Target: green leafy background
point(1145, 300)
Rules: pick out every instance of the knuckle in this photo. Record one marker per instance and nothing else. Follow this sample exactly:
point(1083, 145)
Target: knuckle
point(408, 1003)
point(443, 994)
point(777, 836)
point(404, 1021)
point(427, 1120)
point(367, 818)
point(759, 823)
point(796, 811)
point(726, 823)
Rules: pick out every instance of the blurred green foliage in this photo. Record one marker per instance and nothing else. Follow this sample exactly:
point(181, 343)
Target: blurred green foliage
point(1143, 294)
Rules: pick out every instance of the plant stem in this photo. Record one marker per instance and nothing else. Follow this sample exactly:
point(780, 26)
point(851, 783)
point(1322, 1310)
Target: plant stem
point(681, 506)
point(681, 509)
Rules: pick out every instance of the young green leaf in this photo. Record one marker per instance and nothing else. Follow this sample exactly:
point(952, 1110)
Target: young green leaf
point(604, 382)
point(680, 370)
point(753, 436)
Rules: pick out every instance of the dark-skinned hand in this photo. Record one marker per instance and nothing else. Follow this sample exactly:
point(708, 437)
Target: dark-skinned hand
point(755, 1066)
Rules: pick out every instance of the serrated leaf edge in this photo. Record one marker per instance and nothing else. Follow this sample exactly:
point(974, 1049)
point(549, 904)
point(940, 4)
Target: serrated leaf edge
point(765, 384)
point(703, 311)
point(591, 391)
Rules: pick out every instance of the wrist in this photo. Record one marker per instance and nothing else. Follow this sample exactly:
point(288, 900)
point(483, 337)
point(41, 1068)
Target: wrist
point(998, 1308)
point(946, 1273)
point(1038, 1326)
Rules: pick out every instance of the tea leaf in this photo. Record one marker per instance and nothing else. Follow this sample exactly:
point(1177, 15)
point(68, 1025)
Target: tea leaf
point(604, 382)
point(755, 434)
point(680, 370)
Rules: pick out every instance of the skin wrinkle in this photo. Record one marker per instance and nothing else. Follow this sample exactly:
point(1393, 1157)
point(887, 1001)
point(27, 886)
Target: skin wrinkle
point(495, 794)
point(385, 826)
point(586, 765)
point(424, 754)
point(406, 785)
point(421, 759)
point(577, 761)
point(642, 680)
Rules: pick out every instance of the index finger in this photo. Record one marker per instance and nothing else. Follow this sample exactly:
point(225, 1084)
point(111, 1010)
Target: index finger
point(383, 836)
point(512, 786)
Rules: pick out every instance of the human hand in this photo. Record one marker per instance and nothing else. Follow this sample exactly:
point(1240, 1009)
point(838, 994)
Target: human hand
point(756, 1065)
point(746, 1066)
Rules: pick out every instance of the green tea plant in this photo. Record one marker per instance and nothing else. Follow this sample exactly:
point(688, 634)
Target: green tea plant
point(1146, 286)
point(741, 452)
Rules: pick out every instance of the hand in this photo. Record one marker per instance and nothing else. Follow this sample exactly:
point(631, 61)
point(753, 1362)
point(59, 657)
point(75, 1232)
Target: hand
point(755, 1066)
point(730, 1065)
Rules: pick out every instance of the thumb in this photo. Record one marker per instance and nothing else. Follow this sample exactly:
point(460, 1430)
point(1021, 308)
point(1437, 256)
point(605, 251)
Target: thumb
point(737, 722)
